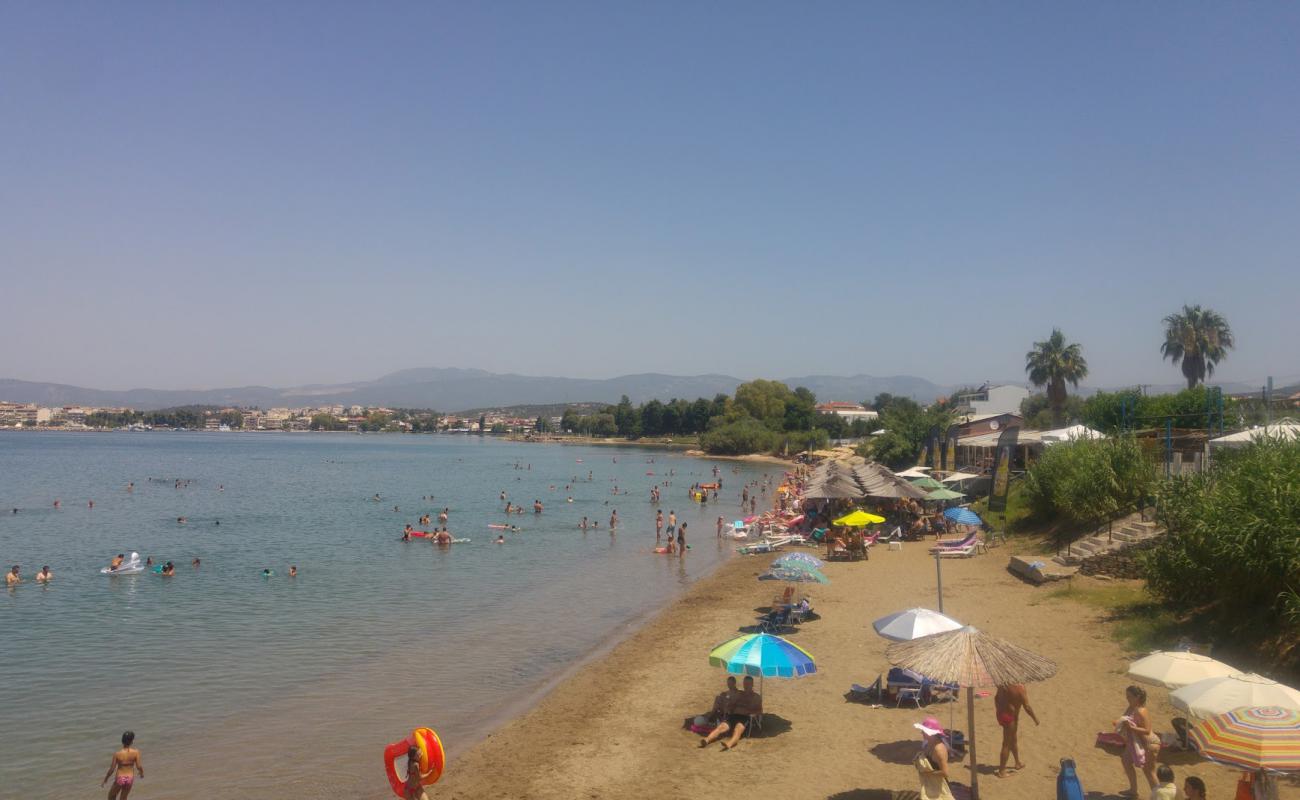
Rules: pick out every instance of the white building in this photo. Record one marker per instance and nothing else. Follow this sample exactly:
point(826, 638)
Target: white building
point(849, 411)
point(991, 400)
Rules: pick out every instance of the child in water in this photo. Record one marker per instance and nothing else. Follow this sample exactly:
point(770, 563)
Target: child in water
point(126, 763)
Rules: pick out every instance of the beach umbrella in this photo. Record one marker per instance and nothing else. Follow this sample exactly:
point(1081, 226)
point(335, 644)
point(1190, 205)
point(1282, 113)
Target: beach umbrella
point(1252, 738)
point(763, 656)
point(914, 472)
point(963, 516)
point(944, 494)
point(969, 658)
point(926, 483)
point(904, 626)
point(1212, 696)
point(1175, 669)
point(791, 574)
point(858, 518)
point(958, 477)
point(806, 558)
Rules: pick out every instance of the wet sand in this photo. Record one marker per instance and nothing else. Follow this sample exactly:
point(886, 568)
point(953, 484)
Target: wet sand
point(614, 729)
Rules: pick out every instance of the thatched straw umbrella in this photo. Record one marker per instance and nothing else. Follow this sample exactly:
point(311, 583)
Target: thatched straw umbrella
point(970, 658)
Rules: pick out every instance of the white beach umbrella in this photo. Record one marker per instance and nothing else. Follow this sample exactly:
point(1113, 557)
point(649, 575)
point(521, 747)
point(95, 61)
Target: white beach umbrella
point(1212, 696)
point(1175, 669)
point(957, 477)
point(904, 626)
point(914, 472)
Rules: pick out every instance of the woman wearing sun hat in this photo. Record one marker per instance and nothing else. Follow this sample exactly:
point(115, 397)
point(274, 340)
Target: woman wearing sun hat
point(932, 762)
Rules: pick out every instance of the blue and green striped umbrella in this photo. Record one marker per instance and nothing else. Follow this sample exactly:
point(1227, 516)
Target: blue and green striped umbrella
point(794, 574)
point(794, 559)
point(763, 655)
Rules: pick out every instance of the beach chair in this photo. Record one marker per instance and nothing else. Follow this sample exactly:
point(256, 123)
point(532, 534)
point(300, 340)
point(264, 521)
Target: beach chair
point(958, 552)
point(968, 541)
point(909, 694)
point(868, 694)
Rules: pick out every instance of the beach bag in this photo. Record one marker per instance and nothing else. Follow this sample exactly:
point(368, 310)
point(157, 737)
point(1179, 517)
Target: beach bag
point(1067, 782)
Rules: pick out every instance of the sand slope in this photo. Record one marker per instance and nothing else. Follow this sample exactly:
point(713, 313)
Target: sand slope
point(614, 729)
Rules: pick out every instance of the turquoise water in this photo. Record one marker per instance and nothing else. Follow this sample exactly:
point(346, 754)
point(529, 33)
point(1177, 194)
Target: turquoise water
point(253, 687)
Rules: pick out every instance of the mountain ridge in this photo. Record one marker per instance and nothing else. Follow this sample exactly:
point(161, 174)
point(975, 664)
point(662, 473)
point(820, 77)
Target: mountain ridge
point(452, 389)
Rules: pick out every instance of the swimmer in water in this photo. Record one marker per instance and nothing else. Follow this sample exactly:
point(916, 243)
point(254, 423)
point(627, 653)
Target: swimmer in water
point(116, 561)
point(293, 570)
point(181, 520)
point(44, 575)
point(130, 487)
point(148, 562)
point(195, 563)
point(266, 573)
point(11, 578)
point(583, 525)
point(501, 540)
point(169, 569)
point(125, 764)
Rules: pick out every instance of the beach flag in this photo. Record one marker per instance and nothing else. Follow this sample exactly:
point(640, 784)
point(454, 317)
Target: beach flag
point(950, 449)
point(932, 447)
point(1002, 468)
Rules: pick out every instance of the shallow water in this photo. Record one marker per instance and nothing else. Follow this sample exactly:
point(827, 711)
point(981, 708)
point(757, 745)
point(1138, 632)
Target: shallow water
point(259, 687)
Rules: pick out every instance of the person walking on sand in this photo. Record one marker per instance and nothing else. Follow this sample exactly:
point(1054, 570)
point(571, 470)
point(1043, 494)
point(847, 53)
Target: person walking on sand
point(1141, 746)
point(1007, 703)
point(126, 763)
point(932, 761)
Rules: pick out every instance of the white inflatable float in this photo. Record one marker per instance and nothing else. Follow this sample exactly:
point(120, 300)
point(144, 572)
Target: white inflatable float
point(132, 566)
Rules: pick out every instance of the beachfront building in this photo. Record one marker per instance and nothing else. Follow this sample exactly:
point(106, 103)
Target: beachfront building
point(987, 400)
point(849, 411)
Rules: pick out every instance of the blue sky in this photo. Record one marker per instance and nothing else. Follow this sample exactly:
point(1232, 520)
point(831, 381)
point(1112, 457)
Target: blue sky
point(205, 194)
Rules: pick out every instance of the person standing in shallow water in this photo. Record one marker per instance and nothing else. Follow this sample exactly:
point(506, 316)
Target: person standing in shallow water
point(123, 768)
point(681, 539)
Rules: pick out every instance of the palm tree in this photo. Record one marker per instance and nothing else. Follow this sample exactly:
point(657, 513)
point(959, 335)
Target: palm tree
point(1199, 338)
point(1054, 363)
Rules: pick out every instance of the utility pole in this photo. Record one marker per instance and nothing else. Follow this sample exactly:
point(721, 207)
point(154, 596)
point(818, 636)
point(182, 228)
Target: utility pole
point(1268, 402)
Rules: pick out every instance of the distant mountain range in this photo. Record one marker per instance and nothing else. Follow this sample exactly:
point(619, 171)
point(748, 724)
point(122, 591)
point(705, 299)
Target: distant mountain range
point(453, 389)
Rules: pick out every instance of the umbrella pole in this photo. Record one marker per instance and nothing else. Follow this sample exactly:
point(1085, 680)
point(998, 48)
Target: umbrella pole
point(970, 719)
point(938, 573)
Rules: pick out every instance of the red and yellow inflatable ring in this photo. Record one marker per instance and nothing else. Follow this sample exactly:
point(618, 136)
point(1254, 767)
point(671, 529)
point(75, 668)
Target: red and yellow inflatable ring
point(432, 759)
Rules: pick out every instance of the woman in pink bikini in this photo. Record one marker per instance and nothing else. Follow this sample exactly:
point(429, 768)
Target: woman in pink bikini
point(126, 763)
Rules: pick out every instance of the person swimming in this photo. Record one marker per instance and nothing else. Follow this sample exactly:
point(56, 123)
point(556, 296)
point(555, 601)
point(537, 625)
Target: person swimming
point(168, 569)
point(293, 570)
point(12, 578)
point(44, 575)
point(148, 561)
point(501, 539)
point(266, 573)
point(195, 563)
point(116, 561)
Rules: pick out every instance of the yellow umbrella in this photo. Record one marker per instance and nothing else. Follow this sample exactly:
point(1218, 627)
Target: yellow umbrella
point(858, 518)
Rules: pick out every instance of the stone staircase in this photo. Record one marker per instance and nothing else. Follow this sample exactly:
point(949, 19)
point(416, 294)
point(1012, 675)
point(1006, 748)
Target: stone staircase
point(1124, 534)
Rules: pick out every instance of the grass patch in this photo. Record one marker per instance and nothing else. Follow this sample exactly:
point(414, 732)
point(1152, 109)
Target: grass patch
point(1135, 619)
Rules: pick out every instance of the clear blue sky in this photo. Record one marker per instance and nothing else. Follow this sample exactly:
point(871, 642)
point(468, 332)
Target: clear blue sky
point(206, 194)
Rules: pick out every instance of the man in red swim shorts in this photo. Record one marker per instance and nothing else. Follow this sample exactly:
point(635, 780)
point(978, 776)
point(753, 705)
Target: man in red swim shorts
point(1007, 703)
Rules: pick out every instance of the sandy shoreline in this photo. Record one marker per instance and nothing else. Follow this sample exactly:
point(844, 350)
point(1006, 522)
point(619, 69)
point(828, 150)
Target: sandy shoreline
point(613, 728)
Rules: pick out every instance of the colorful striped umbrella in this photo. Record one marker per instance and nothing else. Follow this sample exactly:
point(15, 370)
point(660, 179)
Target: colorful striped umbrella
point(763, 655)
point(963, 516)
point(802, 573)
point(805, 558)
point(1252, 738)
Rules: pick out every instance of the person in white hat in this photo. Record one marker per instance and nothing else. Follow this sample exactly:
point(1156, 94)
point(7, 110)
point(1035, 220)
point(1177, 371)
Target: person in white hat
point(932, 761)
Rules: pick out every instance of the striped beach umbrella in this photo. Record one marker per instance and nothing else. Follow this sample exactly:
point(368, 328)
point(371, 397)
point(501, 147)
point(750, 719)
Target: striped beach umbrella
point(801, 558)
point(795, 572)
point(963, 516)
point(1252, 738)
point(763, 655)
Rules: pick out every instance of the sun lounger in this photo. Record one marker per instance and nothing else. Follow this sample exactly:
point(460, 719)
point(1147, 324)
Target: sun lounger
point(968, 541)
point(958, 552)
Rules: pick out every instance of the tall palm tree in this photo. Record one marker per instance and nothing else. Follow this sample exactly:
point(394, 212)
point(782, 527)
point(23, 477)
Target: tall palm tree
point(1054, 363)
point(1196, 339)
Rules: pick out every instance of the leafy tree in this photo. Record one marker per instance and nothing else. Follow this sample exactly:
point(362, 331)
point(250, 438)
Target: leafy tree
point(542, 425)
point(1053, 363)
point(233, 419)
point(764, 401)
point(652, 418)
point(626, 420)
point(800, 410)
point(1232, 548)
point(1089, 479)
point(375, 421)
point(570, 420)
point(836, 427)
point(906, 426)
point(1196, 339)
point(327, 422)
point(603, 424)
point(739, 437)
point(1037, 411)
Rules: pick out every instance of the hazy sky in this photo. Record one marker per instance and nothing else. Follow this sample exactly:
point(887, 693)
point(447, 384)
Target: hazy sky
point(206, 194)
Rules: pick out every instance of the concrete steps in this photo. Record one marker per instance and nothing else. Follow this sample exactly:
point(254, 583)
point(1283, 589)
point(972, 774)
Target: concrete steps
point(1123, 534)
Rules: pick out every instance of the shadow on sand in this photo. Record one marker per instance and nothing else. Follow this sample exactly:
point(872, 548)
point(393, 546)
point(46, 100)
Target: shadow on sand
point(900, 752)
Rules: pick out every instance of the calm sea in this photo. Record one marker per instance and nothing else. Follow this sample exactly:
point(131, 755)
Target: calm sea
point(242, 686)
